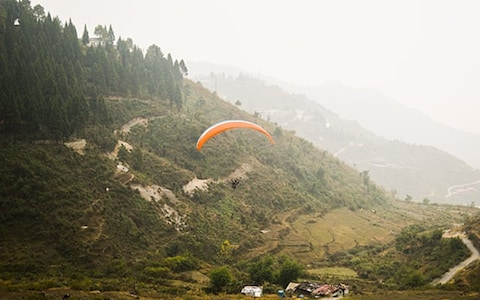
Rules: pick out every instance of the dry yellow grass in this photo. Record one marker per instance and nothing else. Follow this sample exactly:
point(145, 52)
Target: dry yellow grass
point(334, 271)
point(310, 237)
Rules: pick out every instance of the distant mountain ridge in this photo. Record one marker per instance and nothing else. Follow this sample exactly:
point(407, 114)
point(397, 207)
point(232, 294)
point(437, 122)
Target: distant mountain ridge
point(419, 171)
point(396, 120)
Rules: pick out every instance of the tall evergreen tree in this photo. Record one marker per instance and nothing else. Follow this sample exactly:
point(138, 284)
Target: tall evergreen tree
point(183, 68)
point(110, 36)
point(85, 37)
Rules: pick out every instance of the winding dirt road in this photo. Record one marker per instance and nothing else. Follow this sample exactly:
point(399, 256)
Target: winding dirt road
point(460, 188)
point(453, 271)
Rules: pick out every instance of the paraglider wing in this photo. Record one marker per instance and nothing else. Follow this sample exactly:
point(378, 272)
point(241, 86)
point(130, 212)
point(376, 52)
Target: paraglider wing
point(227, 125)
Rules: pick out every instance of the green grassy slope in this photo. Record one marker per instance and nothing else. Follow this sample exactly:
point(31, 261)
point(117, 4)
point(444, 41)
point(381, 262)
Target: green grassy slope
point(77, 220)
point(56, 210)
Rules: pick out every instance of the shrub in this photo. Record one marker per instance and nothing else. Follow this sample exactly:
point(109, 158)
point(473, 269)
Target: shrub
point(181, 263)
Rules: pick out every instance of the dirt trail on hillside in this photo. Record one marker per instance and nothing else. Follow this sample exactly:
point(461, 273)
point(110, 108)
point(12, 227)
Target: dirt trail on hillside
point(136, 121)
point(453, 271)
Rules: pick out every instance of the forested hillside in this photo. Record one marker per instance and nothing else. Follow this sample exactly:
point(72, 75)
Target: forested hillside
point(56, 84)
point(104, 191)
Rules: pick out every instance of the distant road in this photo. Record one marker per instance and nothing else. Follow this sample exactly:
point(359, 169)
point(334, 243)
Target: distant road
point(451, 190)
point(451, 273)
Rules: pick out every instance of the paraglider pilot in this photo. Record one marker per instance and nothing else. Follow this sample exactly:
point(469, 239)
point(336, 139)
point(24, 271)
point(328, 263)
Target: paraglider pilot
point(235, 182)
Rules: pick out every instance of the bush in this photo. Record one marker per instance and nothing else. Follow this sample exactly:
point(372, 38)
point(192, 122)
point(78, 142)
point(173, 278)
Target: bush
point(181, 263)
point(220, 278)
point(155, 274)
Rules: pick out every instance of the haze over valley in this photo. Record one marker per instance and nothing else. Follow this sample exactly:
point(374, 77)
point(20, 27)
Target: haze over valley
point(416, 165)
point(128, 172)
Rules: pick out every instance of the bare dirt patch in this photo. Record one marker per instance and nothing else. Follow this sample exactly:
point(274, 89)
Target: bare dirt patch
point(77, 146)
point(195, 183)
point(114, 153)
point(137, 121)
point(202, 184)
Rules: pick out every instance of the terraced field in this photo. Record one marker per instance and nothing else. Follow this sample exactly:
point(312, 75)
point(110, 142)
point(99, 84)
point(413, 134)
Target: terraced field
point(310, 237)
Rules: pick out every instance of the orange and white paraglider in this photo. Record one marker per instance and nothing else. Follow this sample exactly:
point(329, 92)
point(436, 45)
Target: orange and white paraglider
point(227, 125)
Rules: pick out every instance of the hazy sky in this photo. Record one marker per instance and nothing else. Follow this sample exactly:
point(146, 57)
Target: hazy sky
point(424, 54)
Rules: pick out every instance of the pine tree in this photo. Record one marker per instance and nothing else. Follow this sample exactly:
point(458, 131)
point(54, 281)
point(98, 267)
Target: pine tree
point(183, 68)
point(85, 37)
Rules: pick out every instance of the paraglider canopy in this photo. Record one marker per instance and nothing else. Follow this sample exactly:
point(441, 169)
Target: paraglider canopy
point(227, 125)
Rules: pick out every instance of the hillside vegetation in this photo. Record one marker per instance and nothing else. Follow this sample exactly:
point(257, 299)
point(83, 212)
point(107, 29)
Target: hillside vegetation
point(124, 205)
point(421, 172)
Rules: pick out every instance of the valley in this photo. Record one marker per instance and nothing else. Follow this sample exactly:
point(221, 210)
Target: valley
point(107, 194)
